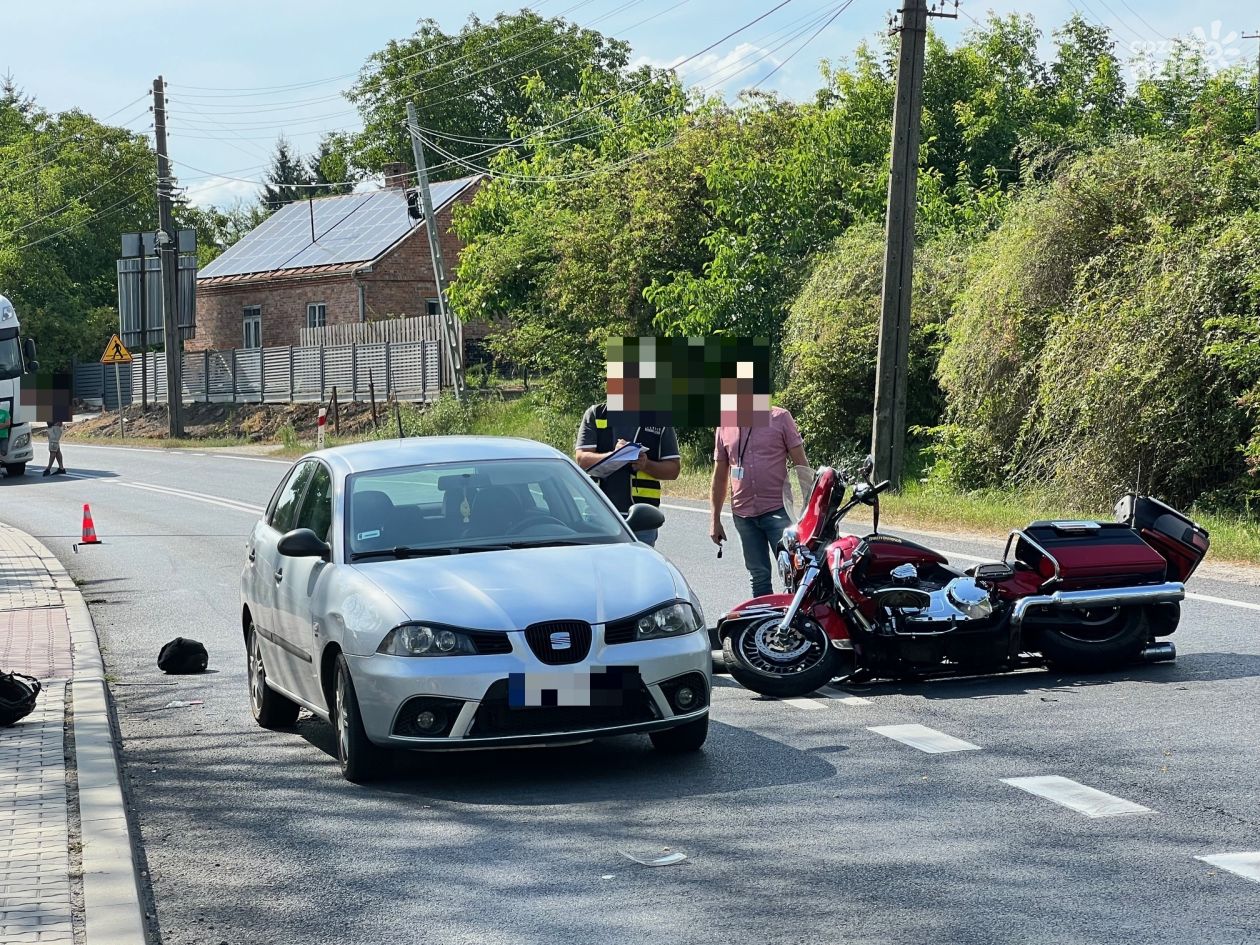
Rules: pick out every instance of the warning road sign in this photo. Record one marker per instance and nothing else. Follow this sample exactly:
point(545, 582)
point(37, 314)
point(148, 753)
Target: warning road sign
point(115, 353)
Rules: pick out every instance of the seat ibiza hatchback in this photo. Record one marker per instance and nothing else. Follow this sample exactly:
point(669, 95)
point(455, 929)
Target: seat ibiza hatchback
point(455, 592)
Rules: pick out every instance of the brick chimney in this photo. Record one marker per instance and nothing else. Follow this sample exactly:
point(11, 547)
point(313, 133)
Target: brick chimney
point(397, 175)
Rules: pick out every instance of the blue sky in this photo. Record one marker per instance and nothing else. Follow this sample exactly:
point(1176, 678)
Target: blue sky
point(101, 56)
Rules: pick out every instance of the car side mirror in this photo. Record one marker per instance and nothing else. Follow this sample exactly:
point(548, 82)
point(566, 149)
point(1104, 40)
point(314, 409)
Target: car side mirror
point(643, 517)
point(303, 543)
point(32, 367)
point(28, 349)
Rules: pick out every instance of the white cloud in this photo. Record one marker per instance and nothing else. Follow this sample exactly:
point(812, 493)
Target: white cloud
point(724, 73)
point(221, 191)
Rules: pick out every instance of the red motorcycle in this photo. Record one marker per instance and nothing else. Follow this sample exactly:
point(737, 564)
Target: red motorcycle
point(1076, 595)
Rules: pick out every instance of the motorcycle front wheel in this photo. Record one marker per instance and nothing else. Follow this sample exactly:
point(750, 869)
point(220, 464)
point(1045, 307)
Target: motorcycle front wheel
point(795, 664)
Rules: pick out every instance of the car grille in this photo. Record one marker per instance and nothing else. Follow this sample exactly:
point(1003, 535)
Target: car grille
point(620, 631)
point(496, 719)
point(488, 644)
point(543, 636)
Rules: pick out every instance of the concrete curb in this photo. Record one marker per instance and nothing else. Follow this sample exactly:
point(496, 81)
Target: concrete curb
point(113, 914)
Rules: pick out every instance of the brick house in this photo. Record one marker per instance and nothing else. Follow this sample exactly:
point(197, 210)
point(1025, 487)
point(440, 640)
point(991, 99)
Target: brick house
point(350, 258)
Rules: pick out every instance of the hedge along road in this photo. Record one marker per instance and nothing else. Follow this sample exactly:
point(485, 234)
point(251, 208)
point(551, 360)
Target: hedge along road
point(813, 820)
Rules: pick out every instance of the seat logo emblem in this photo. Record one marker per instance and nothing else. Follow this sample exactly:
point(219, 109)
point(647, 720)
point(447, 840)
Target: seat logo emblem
point(560, 640)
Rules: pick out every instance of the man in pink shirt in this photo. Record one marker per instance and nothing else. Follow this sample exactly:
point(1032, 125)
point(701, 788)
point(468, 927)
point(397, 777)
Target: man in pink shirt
point(753, 461)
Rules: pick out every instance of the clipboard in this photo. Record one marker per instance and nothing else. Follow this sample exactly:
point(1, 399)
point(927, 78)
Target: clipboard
point(616, 461)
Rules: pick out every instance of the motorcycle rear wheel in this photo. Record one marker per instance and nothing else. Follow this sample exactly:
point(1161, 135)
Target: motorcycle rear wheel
point(1104, 639)
point(812, 662)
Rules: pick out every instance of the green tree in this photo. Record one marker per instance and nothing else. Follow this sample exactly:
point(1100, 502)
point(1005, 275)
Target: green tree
point(286, 178)
point(328, 168)
point(69, 186)
point(470, 87)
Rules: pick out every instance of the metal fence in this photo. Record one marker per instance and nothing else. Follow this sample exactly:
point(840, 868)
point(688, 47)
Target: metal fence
point(409, 370)
point(415, 328)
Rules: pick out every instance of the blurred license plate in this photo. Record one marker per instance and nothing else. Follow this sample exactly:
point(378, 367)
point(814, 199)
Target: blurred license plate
point(598, 686)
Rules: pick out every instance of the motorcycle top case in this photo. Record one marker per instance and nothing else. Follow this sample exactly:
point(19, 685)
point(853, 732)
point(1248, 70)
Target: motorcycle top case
point(1169, 532)
point(1090, 554)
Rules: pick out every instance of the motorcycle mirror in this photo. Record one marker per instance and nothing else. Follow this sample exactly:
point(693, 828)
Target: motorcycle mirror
point(868, 465)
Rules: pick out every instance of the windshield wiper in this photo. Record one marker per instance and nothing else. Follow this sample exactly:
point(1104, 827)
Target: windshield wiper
point(403, 551)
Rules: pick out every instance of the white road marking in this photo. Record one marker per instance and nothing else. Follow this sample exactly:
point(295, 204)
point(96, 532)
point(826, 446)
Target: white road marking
point(219, 501)
point(175, 452)
point(1078, 797)
point(1222, 600)
point(923, 738)
point(1246, 865)
point(840, 696)
point(802, 703)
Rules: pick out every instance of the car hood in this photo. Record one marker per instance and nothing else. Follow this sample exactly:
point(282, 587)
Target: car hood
point(509, 590)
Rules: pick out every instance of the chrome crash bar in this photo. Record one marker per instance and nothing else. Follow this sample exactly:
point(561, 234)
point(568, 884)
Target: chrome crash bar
point(1167, 593)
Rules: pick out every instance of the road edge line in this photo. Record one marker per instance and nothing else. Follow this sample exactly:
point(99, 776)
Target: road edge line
point(112, 911)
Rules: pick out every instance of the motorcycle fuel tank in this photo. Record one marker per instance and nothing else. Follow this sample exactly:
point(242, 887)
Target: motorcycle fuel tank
point(878, 554)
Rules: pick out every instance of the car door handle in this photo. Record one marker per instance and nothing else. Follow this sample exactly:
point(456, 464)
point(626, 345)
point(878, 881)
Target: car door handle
point(252, 555)
point(279, 575)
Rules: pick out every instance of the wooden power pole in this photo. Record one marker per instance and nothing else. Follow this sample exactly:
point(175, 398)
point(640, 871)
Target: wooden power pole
point(454, 351)
point(168, 252)
point(888, 437)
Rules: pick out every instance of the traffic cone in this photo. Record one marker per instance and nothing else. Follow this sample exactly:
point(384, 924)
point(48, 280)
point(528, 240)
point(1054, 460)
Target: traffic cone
point(89, 528)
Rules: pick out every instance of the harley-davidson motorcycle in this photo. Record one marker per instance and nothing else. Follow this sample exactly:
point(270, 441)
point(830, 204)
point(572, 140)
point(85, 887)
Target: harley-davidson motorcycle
point(1078, 595)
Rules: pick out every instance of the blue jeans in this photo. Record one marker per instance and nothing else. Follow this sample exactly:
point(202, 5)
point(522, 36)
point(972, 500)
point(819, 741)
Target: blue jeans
point(759, 536)
point(648, 536)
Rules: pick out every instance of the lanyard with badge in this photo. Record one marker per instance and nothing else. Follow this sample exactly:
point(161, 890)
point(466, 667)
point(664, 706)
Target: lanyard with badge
point(737, 471)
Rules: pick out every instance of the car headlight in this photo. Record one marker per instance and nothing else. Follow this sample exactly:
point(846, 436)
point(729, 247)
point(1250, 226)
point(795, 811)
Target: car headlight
point(418, 639)
point(671, 620)
point(21, 442)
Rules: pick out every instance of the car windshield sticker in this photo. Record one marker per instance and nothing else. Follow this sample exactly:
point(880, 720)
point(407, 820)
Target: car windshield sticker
point(364, 536)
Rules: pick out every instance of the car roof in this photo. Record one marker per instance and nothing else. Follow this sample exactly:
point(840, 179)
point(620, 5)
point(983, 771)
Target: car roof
point(421, 450)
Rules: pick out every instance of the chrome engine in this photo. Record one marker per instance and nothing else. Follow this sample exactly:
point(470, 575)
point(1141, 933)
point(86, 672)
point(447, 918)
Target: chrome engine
point(918, 606)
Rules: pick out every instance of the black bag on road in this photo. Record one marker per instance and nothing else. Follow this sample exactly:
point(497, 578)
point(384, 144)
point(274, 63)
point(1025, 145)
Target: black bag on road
point(182, 656)
point(17, 697)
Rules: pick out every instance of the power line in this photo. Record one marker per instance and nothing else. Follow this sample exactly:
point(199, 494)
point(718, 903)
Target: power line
point(132, 198)
point(812, 37)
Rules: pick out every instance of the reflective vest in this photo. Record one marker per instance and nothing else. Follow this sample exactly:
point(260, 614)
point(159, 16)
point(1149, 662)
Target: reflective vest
point(643, 488)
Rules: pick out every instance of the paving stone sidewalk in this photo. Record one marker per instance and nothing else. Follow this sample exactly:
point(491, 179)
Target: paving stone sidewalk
point(46, 631)
point(35, 903)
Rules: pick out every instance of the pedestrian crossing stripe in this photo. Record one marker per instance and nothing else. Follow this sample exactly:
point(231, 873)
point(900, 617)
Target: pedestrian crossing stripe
point(115, 352)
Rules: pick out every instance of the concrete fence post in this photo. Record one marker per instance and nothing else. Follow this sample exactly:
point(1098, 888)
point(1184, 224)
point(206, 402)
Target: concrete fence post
point(232, 371)
point(291, 392)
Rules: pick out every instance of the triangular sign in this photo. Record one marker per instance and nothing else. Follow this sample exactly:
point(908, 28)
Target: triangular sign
point(115, 353)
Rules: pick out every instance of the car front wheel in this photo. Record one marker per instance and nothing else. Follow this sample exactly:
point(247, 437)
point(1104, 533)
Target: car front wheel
point(361, 760)
point(271, 710)
point(689, 736)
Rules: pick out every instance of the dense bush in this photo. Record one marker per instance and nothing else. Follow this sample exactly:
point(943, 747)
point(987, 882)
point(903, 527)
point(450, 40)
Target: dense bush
point(1079, 353)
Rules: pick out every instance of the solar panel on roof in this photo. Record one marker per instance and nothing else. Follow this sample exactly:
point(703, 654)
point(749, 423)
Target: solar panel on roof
point(348, 228)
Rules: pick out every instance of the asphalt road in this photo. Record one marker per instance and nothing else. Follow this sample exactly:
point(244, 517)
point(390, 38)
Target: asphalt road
point(800, 822)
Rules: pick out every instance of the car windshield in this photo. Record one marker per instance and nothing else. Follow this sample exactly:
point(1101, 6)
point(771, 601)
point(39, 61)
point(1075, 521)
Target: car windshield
point(479, 506)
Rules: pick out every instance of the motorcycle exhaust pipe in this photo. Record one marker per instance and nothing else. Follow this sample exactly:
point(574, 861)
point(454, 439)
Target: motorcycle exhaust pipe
point(1159, 653)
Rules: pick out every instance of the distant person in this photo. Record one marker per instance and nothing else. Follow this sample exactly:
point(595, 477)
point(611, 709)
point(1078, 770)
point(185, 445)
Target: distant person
point(54, 450)
point(753, 461)
point(598, 437)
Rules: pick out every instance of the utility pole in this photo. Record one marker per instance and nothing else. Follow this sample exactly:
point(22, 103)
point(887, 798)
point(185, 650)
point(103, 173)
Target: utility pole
point(888, 436)
point(168, 252)
point(454, 351)
point(1256, 35)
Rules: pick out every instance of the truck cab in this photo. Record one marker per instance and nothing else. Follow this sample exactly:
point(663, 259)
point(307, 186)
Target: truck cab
point(17, 357)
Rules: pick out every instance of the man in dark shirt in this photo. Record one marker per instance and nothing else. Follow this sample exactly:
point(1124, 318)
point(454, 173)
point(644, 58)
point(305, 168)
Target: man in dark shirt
point(599, 436)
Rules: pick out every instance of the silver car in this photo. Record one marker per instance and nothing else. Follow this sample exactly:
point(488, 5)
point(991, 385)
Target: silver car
point(455, 592)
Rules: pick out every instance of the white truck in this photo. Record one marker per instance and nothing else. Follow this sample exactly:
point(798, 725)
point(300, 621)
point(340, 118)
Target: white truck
point(17, 357)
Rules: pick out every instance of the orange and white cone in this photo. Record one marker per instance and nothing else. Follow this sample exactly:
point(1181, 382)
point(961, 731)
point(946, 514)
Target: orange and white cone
point(89, 528)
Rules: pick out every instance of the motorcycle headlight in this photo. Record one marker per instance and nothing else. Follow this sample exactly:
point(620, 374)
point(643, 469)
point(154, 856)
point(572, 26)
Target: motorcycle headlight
point(418, 639)
point(671, 620)
point(21, 442)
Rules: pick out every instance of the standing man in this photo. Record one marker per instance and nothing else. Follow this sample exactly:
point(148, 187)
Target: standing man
point(598, 437)
point(754, 462)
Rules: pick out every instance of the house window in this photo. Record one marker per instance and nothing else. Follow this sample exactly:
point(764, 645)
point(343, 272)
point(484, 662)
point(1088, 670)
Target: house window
point(316, 314)
point(252, 323)
point(432, 307)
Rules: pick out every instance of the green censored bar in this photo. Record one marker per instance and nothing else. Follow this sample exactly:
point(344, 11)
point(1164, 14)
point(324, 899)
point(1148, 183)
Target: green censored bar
point(690, 382)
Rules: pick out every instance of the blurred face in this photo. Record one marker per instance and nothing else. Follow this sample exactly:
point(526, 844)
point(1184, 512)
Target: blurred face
point(689, 382)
